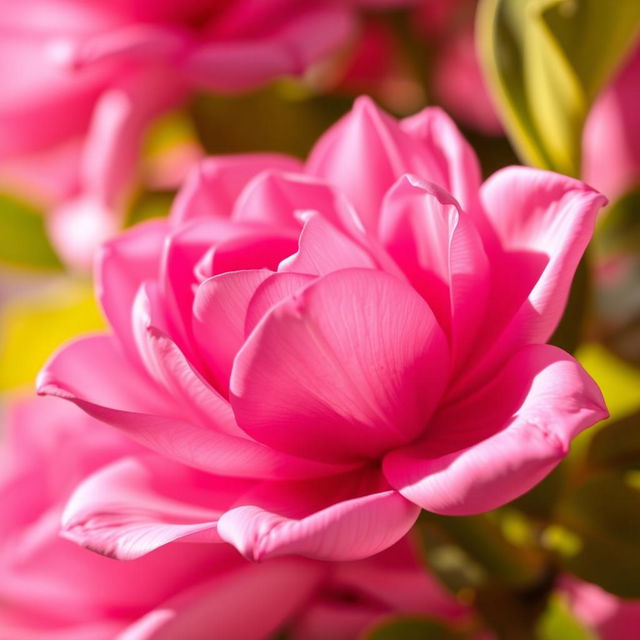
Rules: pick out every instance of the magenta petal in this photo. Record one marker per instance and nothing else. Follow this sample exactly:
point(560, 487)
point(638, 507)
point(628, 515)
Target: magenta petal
point(212, 188)
point(122, 265)
point(350, 366)
point(167, 364)
point(92, 373)
point(341, 518)
point(440, 251)
point(250, 59)
point(456, 166)
point(274, 197)
point(249, 602)
point(496, 444)
point(131, 507)
point(323, 248)
point(269, 293)
point(371, 141)
point(219, 314)
point(543, 222)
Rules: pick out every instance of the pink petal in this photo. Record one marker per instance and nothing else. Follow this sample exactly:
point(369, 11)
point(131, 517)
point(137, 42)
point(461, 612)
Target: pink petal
point(250, 602)
point(322, 249)
point(439, 249)
point(496, 444)
point(299, 39)
point(219, 312)
point(269, 293)
point(351, 366)
point(122, 265)
point(92, 373)
point(341, 518)
point(169, 367)
point(212, 188)
point(136, 505)
point(457, 169)
point(275, 198)
point(364, 154)
point(542, 222)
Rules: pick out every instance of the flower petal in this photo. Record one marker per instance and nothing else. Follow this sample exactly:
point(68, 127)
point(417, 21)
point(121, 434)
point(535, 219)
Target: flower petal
point(135, 505)
point(213, 186)
point(458, 169)
point(371, 141)
point(275, 197)
point(352, 365)
point(543, 222)
point(441, 252)
point(341, 518)
point(92, 373)
point(498, 443)
point(225, 64)
point(322, 249)
point(249, 602)
point(122, 265)
point(219, 313)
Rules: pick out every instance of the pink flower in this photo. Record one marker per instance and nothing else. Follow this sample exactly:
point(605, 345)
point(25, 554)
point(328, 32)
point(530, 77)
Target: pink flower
point(350, 340)
point(50, 588)
point(612, 618)
point(84, 79)
point(611, 141)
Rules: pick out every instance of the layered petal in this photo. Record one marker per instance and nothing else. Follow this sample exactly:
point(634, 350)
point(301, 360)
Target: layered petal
point(371, 141)
point(456, 167)
point(122, 265)
point(440, 250)
point(219, 313)
point(275, 590)
point(212, 187)
point(346, 517)
point(497, 443)
point(322, 248)
point(543, 222)
point(352, 365)
point(136, 505)
point(92, 373)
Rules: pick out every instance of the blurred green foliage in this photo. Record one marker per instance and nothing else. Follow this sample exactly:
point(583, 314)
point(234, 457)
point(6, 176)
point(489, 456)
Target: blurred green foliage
point(23, 237)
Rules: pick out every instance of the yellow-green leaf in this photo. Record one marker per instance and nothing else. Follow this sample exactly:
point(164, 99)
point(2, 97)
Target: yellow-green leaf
point(23, 238)
point(546, 61)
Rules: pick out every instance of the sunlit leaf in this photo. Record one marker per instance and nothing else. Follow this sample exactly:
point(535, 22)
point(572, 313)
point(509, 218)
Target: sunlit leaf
point(23, 237)
point(33, 325)
point(546, 61)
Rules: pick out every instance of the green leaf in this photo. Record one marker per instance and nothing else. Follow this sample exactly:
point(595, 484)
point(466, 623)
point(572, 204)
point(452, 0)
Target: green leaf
point(557, 622)
point(546, 61)
point(23, 237)
point(34, 325)
point(409, 628)
point(603, 517)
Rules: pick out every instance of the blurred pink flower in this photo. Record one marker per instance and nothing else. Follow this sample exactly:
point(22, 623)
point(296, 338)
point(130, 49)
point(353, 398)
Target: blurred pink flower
point(444, 30)
point(350, 340)
point(50, 588)
point(612, 618)
point(89, 76)
point(611, 142)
